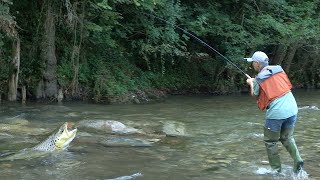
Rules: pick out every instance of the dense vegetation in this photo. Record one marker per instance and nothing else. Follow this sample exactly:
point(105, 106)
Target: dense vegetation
point(102, 49)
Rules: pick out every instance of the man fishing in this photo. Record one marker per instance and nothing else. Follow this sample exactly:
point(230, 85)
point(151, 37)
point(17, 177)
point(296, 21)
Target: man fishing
point(272, 88)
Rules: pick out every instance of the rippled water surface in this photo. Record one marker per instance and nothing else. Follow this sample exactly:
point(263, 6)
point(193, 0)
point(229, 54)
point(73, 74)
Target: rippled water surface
point(220, 137)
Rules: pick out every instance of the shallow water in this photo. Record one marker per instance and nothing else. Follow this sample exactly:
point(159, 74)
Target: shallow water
point(221, 139)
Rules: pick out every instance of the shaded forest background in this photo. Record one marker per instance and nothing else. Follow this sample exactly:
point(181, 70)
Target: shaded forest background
point(111, 51)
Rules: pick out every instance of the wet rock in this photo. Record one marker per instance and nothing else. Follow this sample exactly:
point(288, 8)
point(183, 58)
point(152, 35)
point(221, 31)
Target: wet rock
point(108, 126)
point(115, 140)
point(172, 128)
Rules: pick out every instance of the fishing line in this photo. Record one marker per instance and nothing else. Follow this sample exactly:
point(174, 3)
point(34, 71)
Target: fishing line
point(199, 40)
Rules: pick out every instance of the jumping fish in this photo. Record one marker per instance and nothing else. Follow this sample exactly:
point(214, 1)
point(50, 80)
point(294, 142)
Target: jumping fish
point(59, 140)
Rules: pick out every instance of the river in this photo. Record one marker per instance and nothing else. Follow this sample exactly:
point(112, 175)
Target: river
point(220, 137)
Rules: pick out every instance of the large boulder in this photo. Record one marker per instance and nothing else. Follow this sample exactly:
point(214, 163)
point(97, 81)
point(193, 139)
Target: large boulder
point(108, 126)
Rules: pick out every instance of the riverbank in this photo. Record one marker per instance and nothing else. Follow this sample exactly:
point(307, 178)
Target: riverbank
point(143, 96)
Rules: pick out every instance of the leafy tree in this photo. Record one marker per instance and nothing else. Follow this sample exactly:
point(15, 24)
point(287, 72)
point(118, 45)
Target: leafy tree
point(108, 48)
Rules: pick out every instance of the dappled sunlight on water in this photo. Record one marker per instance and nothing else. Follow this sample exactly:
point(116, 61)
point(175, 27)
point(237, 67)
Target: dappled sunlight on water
point(214, 138)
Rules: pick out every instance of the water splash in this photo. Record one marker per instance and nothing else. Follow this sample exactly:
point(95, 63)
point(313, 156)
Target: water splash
point(255, 135)
point(302, 175)
point(264, 171)
point(133, 176)
point(286, 173)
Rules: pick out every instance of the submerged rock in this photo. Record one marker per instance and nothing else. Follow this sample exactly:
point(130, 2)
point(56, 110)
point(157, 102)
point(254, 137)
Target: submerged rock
point(22, 129)
point(173, 128)
point(126, 141)
point(116, 141)
point(17, 121)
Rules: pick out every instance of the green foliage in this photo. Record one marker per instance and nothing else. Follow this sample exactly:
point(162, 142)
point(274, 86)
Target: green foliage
point(160, 43)
point(7, 21)
point(123, 49)
point(65, 72)
point(7, 27)
point(116, 77)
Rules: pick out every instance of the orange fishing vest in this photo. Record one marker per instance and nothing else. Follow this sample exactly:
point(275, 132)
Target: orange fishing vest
point(270, 89)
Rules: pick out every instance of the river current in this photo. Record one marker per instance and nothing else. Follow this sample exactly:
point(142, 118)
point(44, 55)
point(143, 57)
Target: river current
point(213, 137)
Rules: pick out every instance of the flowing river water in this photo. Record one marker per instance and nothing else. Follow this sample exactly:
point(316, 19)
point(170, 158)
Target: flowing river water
point(213, 137)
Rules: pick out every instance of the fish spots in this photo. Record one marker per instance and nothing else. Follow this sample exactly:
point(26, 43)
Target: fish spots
point(58, 140)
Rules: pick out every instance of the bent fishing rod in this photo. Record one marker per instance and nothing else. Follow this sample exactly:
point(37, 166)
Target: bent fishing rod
point(201, 41)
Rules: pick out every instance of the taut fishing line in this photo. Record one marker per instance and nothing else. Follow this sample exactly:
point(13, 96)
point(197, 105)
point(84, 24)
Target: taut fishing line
point(199, 40)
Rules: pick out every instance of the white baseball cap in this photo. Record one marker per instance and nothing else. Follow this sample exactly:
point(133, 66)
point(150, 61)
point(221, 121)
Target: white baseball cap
point(258, 56)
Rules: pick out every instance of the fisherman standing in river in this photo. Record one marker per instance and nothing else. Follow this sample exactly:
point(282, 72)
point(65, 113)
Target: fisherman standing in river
point(273, 90)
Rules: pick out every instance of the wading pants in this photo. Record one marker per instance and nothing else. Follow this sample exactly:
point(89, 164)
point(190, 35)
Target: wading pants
point(281, 130)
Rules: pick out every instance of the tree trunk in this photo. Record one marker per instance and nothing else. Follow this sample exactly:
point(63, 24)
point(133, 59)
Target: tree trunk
point(48, 54)
point(290, 55)
point(280, 54)
point(24, 94)
point(76, 50)
point(314, 72)
point(14, 71)
point(75, 61)
point(40, 90)
point(60, 95)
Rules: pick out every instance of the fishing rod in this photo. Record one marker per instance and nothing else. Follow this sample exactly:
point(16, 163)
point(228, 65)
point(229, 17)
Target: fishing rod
point(201, 41)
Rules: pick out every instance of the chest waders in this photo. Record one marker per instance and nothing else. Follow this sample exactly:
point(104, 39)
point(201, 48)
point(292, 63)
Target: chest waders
point(286, 138)
point(270, 140)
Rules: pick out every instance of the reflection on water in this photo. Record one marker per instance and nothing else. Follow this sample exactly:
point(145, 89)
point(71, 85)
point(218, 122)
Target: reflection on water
point(213, 138)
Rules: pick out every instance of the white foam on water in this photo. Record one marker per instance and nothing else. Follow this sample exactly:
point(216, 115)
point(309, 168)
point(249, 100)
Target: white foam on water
point(256, 135)
point(133, 176)
point(302, 175)
point(286, 173)
point(263, 171)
